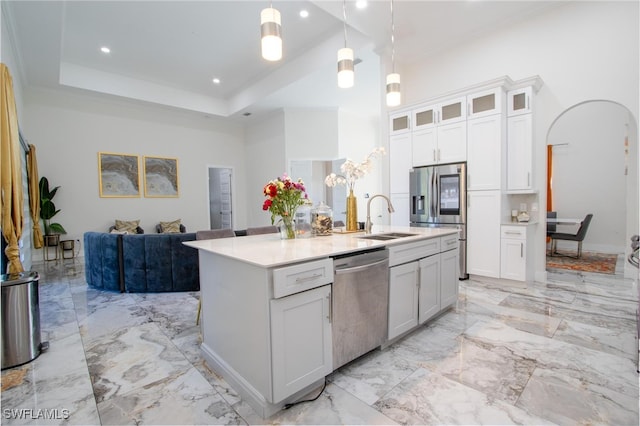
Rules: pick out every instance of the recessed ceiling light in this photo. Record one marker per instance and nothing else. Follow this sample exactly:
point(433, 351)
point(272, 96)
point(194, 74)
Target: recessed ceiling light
point(105, 49)
point(361, 4)
point(216, 81)
point(304, 13)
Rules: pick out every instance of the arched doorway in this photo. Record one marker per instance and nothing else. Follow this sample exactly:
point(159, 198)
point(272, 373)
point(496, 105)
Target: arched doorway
point(594, 157)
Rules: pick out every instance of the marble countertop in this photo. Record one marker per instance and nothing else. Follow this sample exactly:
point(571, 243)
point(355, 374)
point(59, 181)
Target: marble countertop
point(269, 250)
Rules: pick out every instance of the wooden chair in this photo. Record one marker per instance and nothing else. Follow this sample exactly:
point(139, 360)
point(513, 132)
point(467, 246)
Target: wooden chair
point(578, 236)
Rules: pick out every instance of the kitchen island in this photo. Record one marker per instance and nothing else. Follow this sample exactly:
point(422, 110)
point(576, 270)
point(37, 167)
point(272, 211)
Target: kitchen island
point(266, 304)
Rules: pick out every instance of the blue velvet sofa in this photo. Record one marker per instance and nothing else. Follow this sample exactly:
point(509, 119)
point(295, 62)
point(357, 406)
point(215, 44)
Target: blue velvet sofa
point(141, 263)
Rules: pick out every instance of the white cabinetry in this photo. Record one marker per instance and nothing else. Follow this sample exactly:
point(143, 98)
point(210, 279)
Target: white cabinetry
point(482, 104)
point(301, 344)
point(439, 133)
point(519, 101)
point(520, 141)
point(403, 298)
point(483, 232)
point(484, 152)
point(423, 280)
point(520, 153)
point(399, 123)
point(516, 262)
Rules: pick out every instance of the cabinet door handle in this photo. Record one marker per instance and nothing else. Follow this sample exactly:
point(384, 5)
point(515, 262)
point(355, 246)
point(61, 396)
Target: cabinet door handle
point(438, 154)
point(528, 178)
point(521, 249)
point(330, 301)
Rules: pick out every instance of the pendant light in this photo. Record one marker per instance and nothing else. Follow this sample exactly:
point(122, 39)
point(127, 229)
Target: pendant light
point(393, 79)
point(345, 57)
point(270, 30)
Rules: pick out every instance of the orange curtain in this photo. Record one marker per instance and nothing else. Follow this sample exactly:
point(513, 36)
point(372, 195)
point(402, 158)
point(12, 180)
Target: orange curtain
point(34, 196)
point(11, 175)
point(549, 176)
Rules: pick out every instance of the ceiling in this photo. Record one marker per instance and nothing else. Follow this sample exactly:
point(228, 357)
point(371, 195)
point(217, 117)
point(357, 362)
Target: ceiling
point(168, 52)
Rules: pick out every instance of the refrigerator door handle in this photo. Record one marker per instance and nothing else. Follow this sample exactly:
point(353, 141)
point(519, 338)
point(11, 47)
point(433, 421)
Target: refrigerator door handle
point(436, 193)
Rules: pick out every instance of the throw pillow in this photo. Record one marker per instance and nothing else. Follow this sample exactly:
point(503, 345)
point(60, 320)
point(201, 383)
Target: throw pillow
point(115, 231)
point(127, 225)
point(170, 227)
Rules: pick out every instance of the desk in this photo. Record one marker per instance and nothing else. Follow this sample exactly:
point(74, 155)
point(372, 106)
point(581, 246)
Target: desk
point(563, 221)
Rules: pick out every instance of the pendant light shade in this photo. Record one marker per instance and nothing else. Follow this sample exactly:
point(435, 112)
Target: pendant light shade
point(270, 29)
point(345, 68)
point(393, 90)
point(345, 56)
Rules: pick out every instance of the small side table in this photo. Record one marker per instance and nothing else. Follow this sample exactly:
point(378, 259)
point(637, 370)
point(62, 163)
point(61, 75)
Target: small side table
point(67, 246)
point(51, 241)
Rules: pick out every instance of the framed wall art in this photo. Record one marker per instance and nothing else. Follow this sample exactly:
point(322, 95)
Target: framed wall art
point(119, 175)
point(160, 177)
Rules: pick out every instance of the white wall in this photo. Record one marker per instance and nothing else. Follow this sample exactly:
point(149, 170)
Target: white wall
point(581, 50)
point(72, 129)
point(265, 160)
point(587, 180)
point(358, 137)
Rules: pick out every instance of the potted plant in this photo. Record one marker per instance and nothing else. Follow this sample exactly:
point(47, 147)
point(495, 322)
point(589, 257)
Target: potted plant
point(48, 210)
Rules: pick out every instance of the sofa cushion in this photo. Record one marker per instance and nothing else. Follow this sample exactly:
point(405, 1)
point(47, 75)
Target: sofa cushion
point(103, 261)
point(185, 265)
point(172, 227)
point(135, 266)
point(130, 226)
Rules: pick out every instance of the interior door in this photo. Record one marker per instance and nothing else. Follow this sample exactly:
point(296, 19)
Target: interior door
point(220, 198)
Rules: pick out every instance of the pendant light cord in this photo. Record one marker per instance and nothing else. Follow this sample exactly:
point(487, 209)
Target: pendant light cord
point(344, 21)
point(393, 44)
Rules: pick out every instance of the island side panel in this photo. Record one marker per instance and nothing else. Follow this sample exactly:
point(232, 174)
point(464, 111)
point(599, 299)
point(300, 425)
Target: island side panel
point(235, 319)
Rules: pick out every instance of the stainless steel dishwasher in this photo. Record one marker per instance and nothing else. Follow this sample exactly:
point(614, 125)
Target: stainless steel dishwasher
point(360, 302)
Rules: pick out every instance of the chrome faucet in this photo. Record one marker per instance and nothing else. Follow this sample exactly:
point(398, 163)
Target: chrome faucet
point(368, 224)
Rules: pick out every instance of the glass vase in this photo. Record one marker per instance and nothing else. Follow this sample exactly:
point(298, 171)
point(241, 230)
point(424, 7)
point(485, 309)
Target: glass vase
point(287, 228)
point(352, 212)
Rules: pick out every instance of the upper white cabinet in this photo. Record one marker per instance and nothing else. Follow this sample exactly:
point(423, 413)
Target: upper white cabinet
point(439, 133)
point(400, 123)
point(519, 163)
point(520, 153)
point(485, 148)
point(482, 104)
point(519, 101)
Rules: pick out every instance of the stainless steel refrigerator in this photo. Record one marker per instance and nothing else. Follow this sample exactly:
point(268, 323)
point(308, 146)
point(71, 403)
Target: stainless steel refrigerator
point(438, 197)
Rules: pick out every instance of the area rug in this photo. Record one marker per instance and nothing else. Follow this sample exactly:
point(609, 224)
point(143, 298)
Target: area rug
point(603, 263)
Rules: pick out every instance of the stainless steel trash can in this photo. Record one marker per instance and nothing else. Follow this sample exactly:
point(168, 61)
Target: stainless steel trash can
point(20, 319)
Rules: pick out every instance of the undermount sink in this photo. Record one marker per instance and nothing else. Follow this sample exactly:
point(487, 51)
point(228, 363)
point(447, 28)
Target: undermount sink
point(386, 236)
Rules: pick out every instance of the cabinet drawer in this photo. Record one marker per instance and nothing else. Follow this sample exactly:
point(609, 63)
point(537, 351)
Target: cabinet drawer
point(517, 232)
point(304, 276)
point(449, 242)
point(412, 251)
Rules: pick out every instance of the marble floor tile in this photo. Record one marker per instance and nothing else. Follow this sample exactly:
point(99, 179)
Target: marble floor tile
point(55, 384)
point(132, 358)
point(427, 398)
point(186, 398)
point(563, 351)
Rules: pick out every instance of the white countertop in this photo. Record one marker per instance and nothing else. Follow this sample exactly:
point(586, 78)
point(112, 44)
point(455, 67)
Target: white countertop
point(269, 250)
